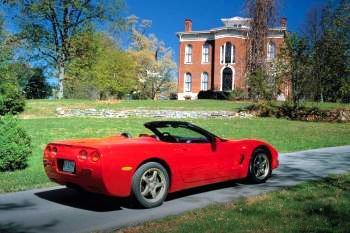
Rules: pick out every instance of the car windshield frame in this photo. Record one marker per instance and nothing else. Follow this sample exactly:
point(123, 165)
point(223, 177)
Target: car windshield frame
point(155, 125)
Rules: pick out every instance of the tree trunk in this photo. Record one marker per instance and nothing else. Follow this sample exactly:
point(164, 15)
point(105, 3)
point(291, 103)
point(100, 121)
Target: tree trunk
point(60, 81)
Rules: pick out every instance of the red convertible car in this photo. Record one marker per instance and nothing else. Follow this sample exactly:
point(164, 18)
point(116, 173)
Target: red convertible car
point(178, 155)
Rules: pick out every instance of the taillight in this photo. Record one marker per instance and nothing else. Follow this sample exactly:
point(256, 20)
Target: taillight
point(95, 156)
point(54, 151)
point(47, 152)
point(83, 155)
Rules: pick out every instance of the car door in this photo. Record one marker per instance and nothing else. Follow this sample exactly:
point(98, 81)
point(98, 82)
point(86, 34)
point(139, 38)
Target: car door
point(197, 161)
point(228, 155)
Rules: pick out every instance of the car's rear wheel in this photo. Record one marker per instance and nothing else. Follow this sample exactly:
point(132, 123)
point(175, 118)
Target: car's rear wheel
point(260, 166)
point(150, 184)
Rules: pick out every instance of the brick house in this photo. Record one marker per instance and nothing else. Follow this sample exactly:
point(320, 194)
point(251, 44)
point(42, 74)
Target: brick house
point(215, 59)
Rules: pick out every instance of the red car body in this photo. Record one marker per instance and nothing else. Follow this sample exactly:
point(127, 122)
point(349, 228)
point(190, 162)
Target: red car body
point(107, 165)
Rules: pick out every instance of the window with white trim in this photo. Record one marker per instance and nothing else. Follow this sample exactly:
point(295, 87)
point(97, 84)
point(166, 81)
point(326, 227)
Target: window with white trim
point(271, 51)
point(204, 81)
point(188, 82)
point(227, 53)
point(188, 53)
point(205, 53)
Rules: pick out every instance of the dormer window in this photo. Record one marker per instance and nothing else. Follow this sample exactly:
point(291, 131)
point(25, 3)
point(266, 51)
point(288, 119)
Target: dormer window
point(188, 54)
point(227, 53)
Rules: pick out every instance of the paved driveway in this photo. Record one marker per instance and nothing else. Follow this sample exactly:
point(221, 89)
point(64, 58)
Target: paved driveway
point(61, 210)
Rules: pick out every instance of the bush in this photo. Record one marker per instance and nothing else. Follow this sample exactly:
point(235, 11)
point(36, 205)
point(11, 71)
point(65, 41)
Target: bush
point(15, 145)
point(238, 94)
point(11, 103)
point(260, 109)
point(293, 112)
point(217, 95)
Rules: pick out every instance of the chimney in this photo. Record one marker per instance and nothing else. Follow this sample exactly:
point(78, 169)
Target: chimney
point(284, 23)
point(188, 25)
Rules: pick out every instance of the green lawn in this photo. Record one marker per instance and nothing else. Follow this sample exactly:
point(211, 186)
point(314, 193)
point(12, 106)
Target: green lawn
point(317, 206)
point(285, 135)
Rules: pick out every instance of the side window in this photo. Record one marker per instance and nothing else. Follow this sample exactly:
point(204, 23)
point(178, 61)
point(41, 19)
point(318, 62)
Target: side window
point(188, 82)
point(205, 53)
point(204, 81)
point(271, 50)
point(182, 135)
point(188, 53)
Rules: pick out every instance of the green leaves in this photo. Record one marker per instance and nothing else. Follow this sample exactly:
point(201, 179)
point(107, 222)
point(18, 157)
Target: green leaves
point(15, 145)
point(100, 69)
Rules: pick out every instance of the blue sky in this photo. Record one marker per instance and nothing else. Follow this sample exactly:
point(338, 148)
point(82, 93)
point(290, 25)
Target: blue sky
point(168, 16)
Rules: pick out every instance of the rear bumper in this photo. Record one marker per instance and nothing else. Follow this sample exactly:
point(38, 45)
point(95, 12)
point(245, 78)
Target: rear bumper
point(85, 178)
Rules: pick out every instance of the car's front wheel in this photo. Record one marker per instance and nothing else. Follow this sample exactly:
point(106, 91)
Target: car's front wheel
point(260, 166)
point(150, 184)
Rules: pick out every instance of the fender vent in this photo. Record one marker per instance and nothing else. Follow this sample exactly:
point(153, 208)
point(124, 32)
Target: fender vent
point(241, 159)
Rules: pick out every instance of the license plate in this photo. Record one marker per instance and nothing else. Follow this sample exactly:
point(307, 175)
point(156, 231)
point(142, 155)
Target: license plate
point(68, 166)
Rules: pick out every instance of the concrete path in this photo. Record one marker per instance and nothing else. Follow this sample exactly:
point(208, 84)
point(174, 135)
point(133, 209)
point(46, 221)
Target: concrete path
point(61, 210)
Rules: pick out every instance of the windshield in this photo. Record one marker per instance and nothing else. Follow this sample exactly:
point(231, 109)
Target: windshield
point(179, 132)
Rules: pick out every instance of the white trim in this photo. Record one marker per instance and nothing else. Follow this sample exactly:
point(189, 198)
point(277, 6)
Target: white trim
point(209, 38)
point(233, 76)
point(221, 50)
point(229, 36)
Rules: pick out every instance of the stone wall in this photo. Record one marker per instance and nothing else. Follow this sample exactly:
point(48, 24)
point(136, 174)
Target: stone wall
point(108, 113)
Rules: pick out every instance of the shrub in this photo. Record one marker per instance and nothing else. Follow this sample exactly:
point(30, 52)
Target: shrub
point(15, 145)
point(217, 95)
point(11, 102)
point(238, 94)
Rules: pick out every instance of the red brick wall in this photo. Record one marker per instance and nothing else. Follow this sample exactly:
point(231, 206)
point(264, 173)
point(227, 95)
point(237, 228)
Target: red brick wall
point(196, 68)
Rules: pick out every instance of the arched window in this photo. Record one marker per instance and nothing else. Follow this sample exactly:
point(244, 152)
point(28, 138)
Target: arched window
point(205, 53)
point(227, 53)
point(204, 81)
point(271, 51)
point(188, 82)
point(188, 53)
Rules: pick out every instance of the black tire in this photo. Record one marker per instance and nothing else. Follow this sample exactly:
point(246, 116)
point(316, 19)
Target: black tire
point(148, 191)
point(259, 174)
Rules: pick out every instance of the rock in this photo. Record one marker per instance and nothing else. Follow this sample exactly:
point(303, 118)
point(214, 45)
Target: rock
point(60, 111)
point(108, 113)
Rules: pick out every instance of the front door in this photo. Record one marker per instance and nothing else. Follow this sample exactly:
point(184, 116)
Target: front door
point(227, 79)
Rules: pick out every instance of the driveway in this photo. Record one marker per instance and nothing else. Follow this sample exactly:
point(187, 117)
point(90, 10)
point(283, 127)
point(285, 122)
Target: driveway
point(61, 210)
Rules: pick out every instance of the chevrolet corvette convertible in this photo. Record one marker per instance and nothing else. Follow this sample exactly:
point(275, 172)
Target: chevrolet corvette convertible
point(175, 156)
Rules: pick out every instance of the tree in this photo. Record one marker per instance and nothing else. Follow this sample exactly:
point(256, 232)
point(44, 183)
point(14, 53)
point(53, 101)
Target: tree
point(292, 66)
point(261, 83)
point(48, 26)
point(327, 35)
point(263, 16)
point(155, 64)
point(100, 69)
point(36, 86)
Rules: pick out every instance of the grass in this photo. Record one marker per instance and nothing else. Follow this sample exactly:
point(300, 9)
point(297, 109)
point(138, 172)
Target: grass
point(283, 134)
point(46, 108)
point(317, 206)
